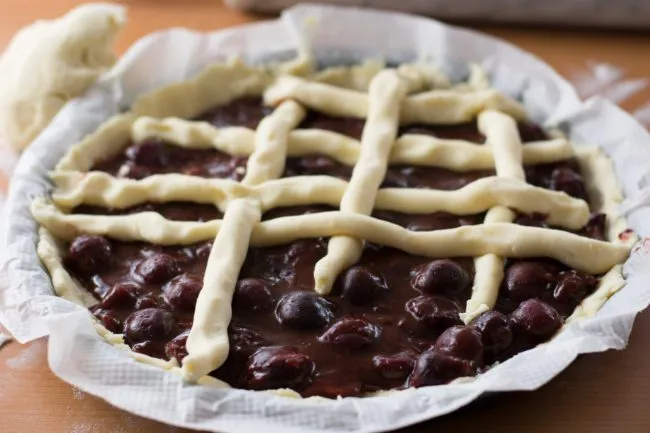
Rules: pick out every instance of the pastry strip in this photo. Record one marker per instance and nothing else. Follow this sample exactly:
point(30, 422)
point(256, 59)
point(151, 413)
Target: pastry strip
point(385, 93)
point(267, 162)
point(100, 189)
point(415, 149)
point(504, 239)
point(207, 342)
point(435, 106)
point(504, 141)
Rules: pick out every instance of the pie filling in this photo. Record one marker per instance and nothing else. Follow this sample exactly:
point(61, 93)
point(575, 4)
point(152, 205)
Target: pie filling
point(392, 320)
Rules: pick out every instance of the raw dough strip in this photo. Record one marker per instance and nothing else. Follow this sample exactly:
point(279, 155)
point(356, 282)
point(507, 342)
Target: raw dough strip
point(386, 92)
point(267, 162)
point(435, 106)
point(463, 156)
point(207, 342)
point(476, 197)
point(416, 149)
point(503, 139)
point(109, 140)
point(144, 226)
point(100, 189)
point(503, 239)
point(422, 150)
point(421, 76)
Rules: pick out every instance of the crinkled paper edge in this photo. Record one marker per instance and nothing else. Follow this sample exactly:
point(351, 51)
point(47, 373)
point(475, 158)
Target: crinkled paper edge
point(77, 354)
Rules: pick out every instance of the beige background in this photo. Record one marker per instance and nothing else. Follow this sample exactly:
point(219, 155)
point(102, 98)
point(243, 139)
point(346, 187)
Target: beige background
point(601, 393)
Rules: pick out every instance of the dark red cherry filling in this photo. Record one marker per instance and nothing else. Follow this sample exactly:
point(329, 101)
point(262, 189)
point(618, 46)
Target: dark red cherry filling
point(391, 321)
point(89, 254)
point(147, 292)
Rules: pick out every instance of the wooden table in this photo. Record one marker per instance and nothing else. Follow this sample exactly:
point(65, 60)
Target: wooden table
point(602, 393)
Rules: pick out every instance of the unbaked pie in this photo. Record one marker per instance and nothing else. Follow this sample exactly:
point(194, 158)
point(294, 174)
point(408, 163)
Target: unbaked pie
point(338, 233)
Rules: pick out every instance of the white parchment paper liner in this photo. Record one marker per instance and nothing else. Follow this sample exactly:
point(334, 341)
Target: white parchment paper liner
point(29, 309)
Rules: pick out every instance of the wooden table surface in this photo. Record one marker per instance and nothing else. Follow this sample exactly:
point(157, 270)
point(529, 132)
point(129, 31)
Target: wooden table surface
point(601, 393)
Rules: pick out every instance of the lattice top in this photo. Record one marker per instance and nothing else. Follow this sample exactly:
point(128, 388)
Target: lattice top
point(404, 95)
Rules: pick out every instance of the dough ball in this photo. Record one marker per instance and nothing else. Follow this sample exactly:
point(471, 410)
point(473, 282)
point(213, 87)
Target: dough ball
point(50, 62)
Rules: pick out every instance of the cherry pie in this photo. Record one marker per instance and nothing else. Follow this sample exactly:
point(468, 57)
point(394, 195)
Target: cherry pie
point(340, 233)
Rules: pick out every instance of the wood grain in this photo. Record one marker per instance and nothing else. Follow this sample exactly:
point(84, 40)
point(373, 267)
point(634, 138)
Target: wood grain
point(599, 393)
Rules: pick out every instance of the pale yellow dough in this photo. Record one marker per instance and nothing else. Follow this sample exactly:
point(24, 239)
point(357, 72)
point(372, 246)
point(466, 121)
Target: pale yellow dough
point(50, 62)
point(387, 98)
point(503, 138)
point(386, 92)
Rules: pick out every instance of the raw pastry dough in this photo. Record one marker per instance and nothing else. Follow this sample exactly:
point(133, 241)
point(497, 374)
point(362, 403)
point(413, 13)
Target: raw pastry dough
point(50, 62)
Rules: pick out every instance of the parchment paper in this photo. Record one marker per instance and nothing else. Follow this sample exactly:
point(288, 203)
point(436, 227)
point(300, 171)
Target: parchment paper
point(76, 354)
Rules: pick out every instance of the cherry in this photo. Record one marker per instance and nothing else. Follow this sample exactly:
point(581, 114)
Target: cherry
point(567, 180)
point(573, 287)
point(394, 178)
point(146, 301)
point(397, 366)
point(304, 310)
point(176, 348)
point(109, 321)
point(536, 318)
point(157, 268)
point(244, 340)
point(362, 285)
point(461, 342)
point(531, 221)
point(595, 228)
point(531, 132)
point(307, 250)
point(496, 334)
point(89, 254)
point(182, 291)
point(121, 295)
point(146, 347)
point(149, 324)
point(441, 276)
point(350, 333)
point(274, 367)
point(253, 294)
point(432, 314)
point(527, 279)
point(150, 153)
point(434, 368)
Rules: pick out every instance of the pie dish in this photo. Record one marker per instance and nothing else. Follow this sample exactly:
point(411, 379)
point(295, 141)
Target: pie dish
point(333, 233)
